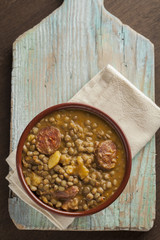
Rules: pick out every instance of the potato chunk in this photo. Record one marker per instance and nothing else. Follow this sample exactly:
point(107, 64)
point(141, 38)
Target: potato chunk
point(81, 168)
point(54, 159)
point(35, 179)
point(70, 169)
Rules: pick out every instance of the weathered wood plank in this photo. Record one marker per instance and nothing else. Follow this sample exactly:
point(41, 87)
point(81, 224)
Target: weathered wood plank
point(51, 62)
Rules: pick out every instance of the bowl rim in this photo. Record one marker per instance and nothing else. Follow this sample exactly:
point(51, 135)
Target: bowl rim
point(99, 113)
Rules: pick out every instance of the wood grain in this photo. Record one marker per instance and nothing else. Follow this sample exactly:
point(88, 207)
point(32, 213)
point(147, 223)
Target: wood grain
point(141, 15)
point(51, 62)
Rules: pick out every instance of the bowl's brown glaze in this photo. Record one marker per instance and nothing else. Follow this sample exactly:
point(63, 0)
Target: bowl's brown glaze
point(102, 115)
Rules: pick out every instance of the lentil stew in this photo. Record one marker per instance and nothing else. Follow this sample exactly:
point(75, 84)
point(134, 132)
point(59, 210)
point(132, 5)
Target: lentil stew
point(73, 160)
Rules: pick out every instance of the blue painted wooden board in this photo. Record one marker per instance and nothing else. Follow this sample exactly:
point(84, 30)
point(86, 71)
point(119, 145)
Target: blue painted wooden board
point(51, 62)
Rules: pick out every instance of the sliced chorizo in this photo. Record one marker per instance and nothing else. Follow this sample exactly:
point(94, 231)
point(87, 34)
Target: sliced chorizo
point(48, 140)
point(70, 192)
point(105, 153)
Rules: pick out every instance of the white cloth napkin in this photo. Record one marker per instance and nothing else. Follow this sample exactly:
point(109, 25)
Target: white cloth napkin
point(136, 114)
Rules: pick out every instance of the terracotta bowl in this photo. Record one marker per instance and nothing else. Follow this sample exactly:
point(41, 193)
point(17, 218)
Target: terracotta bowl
point(100, 114)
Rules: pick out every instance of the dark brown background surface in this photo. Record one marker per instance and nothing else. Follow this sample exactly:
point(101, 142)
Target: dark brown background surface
point(17, 16)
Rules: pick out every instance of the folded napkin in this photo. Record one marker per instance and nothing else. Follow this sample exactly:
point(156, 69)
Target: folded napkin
point(136, 114)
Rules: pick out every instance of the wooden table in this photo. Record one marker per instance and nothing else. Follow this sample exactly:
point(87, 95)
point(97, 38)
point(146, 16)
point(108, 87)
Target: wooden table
point(136, 10)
